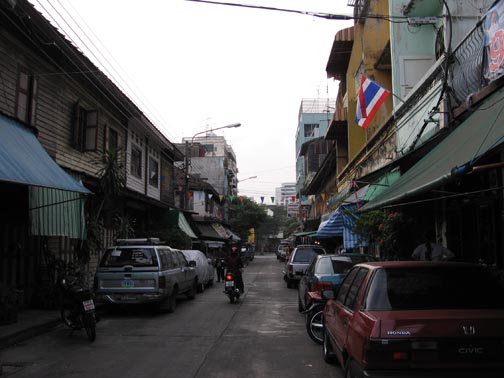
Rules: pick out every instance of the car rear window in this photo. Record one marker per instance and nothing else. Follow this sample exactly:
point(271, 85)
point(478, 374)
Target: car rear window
point(330, 266)
point(434, 288)
point(140, 257)
point(306, 254)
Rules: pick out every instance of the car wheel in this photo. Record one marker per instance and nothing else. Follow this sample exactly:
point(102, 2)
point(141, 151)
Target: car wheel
point(200, 287)
point(170, 303)
point(315, 325)
point(327, 350)
point(191, 294)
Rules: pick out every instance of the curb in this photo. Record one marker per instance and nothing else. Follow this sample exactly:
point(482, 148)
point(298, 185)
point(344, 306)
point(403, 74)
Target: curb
point(27, 333)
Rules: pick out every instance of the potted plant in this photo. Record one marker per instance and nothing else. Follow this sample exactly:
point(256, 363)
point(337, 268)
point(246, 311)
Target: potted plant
point(9, 304)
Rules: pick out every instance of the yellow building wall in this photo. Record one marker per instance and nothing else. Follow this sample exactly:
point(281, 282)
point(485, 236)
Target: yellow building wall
point(371, 37)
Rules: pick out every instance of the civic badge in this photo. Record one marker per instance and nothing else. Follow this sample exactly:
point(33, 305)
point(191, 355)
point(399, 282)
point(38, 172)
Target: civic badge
point(469, 330)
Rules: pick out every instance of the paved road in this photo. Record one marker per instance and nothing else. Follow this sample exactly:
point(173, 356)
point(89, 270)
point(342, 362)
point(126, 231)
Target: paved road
point(261, 336)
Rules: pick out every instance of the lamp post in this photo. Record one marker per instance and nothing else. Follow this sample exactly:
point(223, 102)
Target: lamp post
point(248, 178)
point(188, 157)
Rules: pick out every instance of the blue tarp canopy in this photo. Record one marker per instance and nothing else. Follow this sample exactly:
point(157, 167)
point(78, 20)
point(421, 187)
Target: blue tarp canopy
point(340, 223)
point(24, 161)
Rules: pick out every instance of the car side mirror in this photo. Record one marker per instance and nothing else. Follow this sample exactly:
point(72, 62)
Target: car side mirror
point(192, 263)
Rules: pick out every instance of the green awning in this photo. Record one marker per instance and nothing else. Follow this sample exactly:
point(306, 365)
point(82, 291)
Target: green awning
point(480, 133)
point(185, 227)
point(307, 233)
point(55, 212)
point(378, 187)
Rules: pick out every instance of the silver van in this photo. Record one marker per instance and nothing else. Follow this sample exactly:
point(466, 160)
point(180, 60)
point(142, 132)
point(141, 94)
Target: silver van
point(143, 271)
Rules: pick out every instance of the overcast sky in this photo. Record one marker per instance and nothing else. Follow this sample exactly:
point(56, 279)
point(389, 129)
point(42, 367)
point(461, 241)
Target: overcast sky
point(192, 66)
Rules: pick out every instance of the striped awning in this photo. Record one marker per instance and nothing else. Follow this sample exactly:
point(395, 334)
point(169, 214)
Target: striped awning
point(340, 224)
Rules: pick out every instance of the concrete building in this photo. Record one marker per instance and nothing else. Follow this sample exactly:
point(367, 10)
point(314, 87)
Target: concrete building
point(212, 159)
point(315, 115)
point(284, 193)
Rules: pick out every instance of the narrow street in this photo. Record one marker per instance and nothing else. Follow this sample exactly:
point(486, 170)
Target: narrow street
point(261, 336)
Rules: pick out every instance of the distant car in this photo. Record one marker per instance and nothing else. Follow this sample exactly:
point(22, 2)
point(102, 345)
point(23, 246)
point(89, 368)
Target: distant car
point(281, 251)
point(416, 319)
point(143, 271)
point(298, 261)
point(205, 271)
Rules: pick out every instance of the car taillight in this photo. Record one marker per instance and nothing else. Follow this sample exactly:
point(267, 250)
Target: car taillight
point(380, 351)
point(319, 286)
point(290, 268)
point(162, 282)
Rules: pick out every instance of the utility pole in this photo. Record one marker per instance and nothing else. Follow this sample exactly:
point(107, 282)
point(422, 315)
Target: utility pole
point(185, 203)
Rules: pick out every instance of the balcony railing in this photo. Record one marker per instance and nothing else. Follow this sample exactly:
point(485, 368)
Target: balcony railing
point(467, 68)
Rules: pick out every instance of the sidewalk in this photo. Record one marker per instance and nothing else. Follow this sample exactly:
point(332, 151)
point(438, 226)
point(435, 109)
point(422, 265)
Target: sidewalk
point(30, 323)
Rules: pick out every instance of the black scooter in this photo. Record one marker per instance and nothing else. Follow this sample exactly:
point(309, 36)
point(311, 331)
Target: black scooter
point(77, 309)
point(231, 287)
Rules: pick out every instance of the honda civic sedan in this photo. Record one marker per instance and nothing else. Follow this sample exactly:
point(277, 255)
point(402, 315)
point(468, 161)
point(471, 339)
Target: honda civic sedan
point(416, 319)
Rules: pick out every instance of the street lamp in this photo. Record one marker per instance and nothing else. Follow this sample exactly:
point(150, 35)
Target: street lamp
point(248, 178)
point(188, 158)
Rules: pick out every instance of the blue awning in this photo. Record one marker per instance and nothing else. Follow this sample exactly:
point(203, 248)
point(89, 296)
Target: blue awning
point(24, 161)
point(340, 224)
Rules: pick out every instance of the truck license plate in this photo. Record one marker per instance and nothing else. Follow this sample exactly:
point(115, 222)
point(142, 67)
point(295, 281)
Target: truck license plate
point(128, 283)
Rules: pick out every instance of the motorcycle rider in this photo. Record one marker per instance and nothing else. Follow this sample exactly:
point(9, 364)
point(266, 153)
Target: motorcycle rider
point(234, 265)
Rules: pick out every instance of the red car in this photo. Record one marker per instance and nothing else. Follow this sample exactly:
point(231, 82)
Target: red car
point(416, 319)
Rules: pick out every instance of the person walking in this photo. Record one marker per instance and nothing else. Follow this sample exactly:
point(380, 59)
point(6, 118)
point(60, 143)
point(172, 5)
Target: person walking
point(220, 266)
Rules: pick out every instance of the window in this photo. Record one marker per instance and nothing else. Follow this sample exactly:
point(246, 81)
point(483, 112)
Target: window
point(166, 258)
point(153, 172)
point(136, 162)
point(182, 260)
point(26, 97)
point(112, 140)
point(85, 130)
point(209, 148)
point(344, 286)
point(138, 257)
point(311, 130)
point(351, 298)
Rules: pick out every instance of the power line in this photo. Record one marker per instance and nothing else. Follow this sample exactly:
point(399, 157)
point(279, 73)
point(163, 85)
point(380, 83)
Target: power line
point(98, 51)
point(328, 16)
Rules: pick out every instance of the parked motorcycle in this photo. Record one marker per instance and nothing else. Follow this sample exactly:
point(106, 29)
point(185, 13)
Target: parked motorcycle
point(230, 287)
point(77, 309)
point(314, 317)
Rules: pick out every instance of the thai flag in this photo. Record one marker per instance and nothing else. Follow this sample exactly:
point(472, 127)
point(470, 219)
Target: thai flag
point(371, 96)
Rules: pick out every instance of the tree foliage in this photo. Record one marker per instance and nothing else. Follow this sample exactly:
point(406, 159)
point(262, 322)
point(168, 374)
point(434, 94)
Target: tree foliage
point(388, 230)
point(245, 214)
